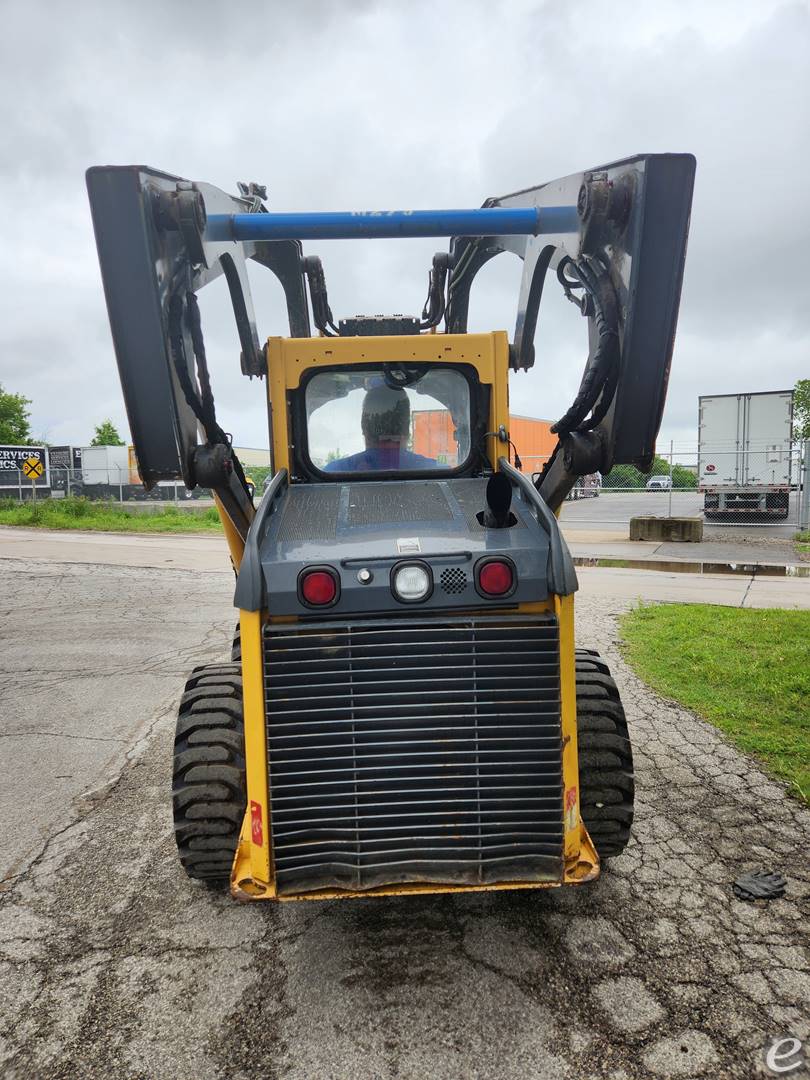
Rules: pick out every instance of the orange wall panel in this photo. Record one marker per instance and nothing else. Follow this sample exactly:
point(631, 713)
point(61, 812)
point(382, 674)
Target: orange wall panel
point(534, 441)
point(433, 437)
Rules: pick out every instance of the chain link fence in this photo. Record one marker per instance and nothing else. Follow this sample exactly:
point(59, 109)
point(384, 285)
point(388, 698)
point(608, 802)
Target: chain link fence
point(112, 483)
point(756, 488)
point(776, 492)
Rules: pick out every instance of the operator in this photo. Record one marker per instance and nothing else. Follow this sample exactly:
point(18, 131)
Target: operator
point(386, 423)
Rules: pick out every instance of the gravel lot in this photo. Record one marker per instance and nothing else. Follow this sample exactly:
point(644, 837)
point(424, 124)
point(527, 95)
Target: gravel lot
point(113, 964)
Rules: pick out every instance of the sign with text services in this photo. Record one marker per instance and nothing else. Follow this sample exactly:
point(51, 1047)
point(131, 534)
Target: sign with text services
point(12, 460)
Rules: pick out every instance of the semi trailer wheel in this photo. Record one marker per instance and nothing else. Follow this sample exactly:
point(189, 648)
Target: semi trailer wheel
point(606, 787)
point(208, 785)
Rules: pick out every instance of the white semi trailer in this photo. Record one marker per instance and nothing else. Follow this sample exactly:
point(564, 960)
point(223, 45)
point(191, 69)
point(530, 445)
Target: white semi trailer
point(744, 454)
point(111, 472)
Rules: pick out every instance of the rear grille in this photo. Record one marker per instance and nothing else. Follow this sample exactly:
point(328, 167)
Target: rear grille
point(408, 750)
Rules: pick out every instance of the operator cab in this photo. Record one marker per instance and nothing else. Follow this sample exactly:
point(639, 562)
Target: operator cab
point(389, 420)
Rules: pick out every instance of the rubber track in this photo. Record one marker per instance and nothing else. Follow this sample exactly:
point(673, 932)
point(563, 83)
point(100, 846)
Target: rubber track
point(606, 784)
point(208, 782)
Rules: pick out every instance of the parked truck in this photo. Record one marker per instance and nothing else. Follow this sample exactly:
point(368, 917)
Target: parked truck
point(111, 472)
point(744, 454)
point(66, 470)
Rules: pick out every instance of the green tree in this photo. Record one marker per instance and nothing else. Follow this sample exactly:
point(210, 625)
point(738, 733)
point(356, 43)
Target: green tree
point(628, 476)
point(14, 425)
point(107, 435)
point(801, 410)
point(624, 476)
point(683, 477)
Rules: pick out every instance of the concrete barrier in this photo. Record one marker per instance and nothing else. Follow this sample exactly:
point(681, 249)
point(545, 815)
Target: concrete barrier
point(686, 529)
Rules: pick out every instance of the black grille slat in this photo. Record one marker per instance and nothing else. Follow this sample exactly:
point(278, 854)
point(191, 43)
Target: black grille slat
point(505, 681)
point(496, 745)
point(396, 636)
point(373, 853)
point(414, 830)
point(496, 805)
point(414, 751)
point(516, 731)
point(460, 717)
point(387, 701)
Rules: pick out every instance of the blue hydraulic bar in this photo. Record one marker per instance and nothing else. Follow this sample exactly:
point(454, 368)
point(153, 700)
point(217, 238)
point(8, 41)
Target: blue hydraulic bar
point(378, 224)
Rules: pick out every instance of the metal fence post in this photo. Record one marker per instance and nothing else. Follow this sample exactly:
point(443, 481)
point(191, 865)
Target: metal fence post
point(669, 512)
point(120, 485)
point(804, 493)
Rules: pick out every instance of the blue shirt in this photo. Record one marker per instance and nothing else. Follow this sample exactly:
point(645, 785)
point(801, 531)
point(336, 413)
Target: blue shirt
point(378, 459)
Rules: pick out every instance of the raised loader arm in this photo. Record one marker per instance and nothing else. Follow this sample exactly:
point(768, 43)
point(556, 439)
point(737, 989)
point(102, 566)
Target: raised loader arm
point(154, 258)
point(623, 267)
point(614, 236)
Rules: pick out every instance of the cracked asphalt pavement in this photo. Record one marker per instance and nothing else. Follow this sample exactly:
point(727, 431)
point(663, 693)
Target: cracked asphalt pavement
point(113, 964)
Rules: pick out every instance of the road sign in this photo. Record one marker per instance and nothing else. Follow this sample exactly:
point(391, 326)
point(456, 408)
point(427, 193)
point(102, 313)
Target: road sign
point(33, 468)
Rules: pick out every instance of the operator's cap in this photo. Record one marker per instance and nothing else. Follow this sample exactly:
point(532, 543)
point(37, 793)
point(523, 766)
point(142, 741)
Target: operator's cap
point(386, 412)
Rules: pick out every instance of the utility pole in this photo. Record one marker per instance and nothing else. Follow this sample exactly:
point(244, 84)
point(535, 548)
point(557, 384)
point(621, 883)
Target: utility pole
point(804, 494)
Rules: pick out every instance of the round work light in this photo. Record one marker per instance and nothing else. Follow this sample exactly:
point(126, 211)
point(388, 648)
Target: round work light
point(411, 582)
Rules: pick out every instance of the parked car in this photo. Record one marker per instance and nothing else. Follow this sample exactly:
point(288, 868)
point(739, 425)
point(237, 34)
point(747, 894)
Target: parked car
point(586, 487)
point(659, 483)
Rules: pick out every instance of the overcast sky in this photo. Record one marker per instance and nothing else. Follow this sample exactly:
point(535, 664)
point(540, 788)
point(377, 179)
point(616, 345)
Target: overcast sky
point(378, 105)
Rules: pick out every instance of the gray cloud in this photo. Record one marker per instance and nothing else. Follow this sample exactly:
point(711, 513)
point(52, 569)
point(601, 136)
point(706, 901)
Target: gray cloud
point(364, 105)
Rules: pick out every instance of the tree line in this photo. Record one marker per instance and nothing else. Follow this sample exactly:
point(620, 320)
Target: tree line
point(628, 476)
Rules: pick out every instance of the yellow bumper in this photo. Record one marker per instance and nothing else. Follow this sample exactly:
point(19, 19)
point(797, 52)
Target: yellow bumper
point(578, 869)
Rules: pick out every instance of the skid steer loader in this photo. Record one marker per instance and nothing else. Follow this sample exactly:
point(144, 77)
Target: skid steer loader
point(405, 710)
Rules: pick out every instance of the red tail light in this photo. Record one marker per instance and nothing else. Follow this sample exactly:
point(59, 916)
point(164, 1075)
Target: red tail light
point(496, 577)
point(318, 587)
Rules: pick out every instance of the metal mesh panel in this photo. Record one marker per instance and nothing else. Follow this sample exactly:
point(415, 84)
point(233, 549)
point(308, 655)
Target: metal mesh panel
point(405, 750)
point(310, 513)
point(378, 504)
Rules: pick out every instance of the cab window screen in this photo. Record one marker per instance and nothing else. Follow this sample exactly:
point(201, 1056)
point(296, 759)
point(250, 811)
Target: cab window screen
point(388, 419)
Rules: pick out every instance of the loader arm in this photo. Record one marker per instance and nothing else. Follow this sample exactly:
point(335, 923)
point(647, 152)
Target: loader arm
point(625, 267)
point(614, 236)
point(149, 228)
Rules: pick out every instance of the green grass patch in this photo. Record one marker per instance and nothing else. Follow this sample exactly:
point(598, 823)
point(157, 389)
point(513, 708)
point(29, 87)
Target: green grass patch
point(84, 514)
point(801, 542)
point(745, 670)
